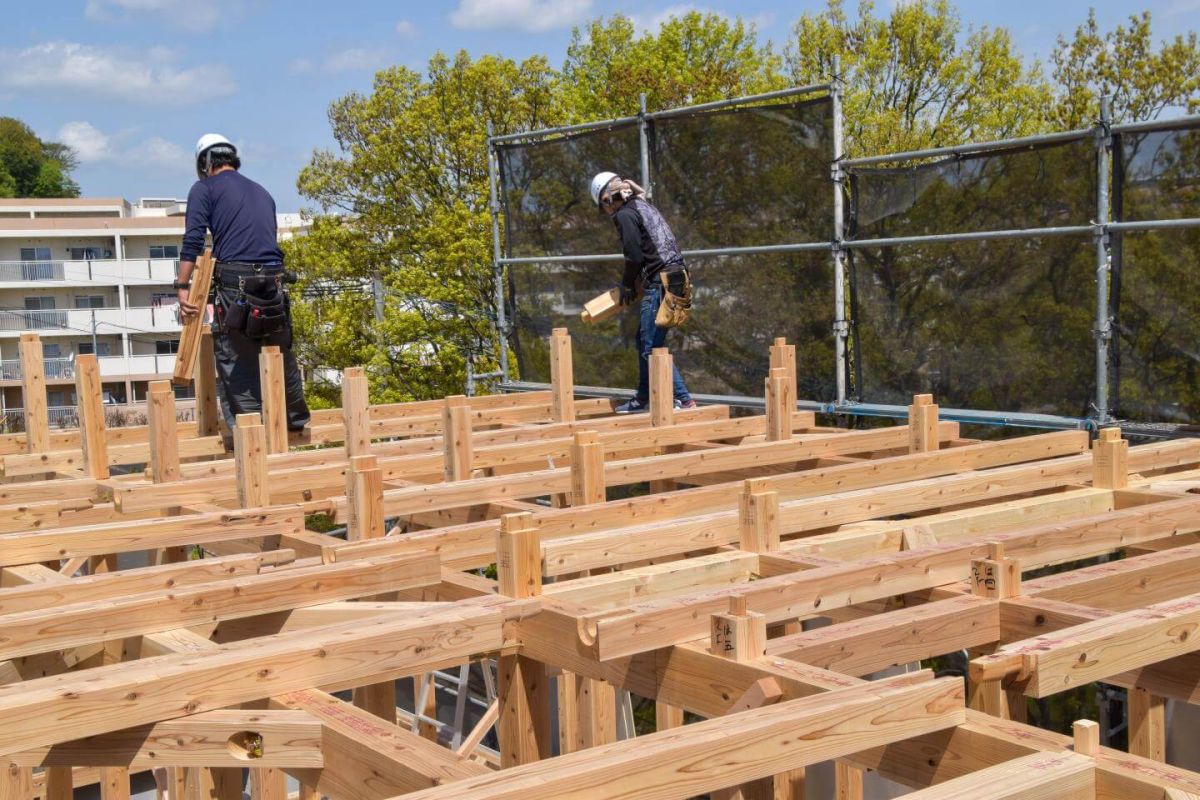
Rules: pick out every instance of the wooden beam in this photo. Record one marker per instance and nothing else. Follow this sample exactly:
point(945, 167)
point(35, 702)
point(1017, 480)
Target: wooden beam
point(922, 424)
point(356, 411)
point(456, 422)
point(189, 338)
point(1110, 454)
point(62, 708)
point(1041, 776)
point(364, 495)
point(587, 469)
point(164, 432)
point(780, 403)
point(783, 356)
point(208, 409)
point(1147, 724)
point(274, 398)
point(714, 754)
point(662, 388)
point(562, 377)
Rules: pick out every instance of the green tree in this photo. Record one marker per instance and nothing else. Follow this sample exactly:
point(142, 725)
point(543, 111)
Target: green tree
point(913, 80)
point(1142, 81)
point(410, 182)
point(34, 168)
point(692, 58)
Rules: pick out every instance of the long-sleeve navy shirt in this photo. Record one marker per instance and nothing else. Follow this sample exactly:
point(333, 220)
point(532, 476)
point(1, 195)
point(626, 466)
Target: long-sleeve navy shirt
point(241, 216)
point(646, 240)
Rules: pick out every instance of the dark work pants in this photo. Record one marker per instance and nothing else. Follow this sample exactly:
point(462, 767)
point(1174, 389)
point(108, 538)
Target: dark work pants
point(238, 384)
point(650, 336)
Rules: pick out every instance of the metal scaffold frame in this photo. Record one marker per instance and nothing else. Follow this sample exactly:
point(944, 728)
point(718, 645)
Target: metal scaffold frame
point(1100, 228)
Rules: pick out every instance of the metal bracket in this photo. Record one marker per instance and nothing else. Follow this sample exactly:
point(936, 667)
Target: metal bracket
point(841, 327)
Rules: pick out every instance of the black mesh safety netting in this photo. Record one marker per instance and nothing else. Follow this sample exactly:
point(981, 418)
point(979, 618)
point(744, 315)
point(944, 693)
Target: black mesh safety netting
point(548, 210)
point(1000, 324)
point(741, 304)
point(747, 176)
point(734, 178)
point(1040, 186)
point(1155, 289)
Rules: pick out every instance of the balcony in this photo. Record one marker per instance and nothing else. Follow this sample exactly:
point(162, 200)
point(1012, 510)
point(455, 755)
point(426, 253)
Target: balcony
point(12, 420)
point(106, 272)
point(55, 369)
point(60, 369)
point(76, 321)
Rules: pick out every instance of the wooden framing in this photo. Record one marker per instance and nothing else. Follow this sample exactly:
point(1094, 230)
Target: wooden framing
point(774, 571)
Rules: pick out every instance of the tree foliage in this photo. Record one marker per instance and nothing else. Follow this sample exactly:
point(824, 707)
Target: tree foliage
point(30, 167)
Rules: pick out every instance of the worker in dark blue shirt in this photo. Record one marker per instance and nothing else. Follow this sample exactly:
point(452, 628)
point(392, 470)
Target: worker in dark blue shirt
point(251, 306)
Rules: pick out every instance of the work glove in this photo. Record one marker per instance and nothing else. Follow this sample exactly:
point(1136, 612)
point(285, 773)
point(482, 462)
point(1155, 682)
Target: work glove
point(628, 295)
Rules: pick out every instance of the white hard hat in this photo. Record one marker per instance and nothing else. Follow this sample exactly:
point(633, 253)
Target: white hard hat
point(601, 180)
point(207, 142)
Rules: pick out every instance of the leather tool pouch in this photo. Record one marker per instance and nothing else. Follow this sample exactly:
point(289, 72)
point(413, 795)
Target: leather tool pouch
point(676, 306)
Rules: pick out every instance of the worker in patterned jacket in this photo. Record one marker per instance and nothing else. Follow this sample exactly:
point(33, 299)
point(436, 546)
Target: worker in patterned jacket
point(651, 253)
point(252, 309)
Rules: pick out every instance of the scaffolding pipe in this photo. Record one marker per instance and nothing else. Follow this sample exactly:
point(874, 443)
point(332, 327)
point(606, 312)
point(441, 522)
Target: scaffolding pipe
point(969, 236)
point(561, 130)
point(1155, 224)
point(841, 331)
point(644, 146)
point(739, 101)
point(971, 148)
point(1192, 121)
point(497, 265)
point(703, 253)
point(1103, 330)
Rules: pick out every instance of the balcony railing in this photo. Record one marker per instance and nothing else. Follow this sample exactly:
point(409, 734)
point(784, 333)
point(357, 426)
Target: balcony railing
point(103, 271)
point(12, 420)
point(137, 319)
point(55, 369)
point(110, 366)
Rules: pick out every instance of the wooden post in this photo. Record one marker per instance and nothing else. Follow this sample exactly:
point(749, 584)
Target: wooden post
point(1087, 738)
point(662, 388)
point(16, 783)
point(998, 578)
point(274, 398)
point(33, 392)
point(759, 520)
point(783, 356)
point(922, 424)
point(1147, 724)
point(114, 783)
point(847, 781)
point(780, 404)
point(524, 723)
point(60, 783)
point(250, 457)
point(741, 635)
point(562, 377)
point(364, 495)
point(587, 469)
point(90, 403)
point(667, 716)
point(208, 410)
point(1110, 460)
point(189, 339)
point(456, 438)
point(164, 432)
point(356, 415)
point(268, 783)
point(596, 707)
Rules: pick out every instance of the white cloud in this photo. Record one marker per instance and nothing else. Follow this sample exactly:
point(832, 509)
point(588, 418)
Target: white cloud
point(95, 146)
point(300, 66)
point(80, 68)
point(197, 16)
point(535, 16)
point(406, 29)
point(650, 23)
point(356, 59)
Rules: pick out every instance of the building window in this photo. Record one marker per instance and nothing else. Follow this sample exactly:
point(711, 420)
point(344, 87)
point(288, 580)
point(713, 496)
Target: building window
point(185, 392)
point(164, 251)
point(102, 350)
point(166, 347)
point(51, 350)
point(89, 253)
point(89, 301)
point(161, 299)
point(39, 303)
point(35, 253)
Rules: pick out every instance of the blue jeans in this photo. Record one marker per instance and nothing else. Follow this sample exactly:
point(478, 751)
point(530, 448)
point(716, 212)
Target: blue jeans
point(650, 336)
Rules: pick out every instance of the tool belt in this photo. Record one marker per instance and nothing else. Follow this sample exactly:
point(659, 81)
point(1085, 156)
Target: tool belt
point(252, 299)
point(676, 306)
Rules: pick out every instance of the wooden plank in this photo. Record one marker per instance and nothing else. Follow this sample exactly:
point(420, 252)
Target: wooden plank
point(62, 708)
point(189, 338)
point(33, 393)
point(714, 754)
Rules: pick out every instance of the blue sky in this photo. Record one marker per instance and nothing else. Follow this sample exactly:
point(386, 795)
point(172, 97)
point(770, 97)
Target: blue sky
point(133, 83)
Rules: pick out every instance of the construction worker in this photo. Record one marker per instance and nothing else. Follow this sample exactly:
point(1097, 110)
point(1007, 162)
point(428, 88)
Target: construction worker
point(650, 250)
point(251, 306)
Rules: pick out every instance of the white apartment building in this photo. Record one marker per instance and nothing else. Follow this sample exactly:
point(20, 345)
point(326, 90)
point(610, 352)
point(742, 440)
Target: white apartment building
point(92, 275)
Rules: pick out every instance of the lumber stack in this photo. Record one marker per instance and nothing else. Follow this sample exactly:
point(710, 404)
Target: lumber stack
point(752, 577)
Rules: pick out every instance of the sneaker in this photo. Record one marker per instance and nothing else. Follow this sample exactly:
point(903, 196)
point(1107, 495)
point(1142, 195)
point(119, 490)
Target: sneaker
point(684, 405)
point(631, 406)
